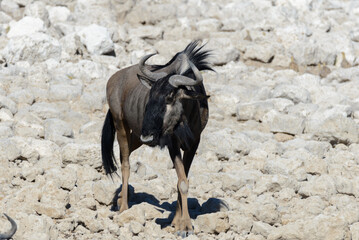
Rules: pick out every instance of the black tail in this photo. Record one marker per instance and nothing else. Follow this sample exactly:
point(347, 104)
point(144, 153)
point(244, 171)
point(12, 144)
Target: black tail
point(107, 139)
point(12, 231)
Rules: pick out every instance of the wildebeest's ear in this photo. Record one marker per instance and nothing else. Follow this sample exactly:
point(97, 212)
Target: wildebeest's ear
point(145, 81)
point(187, 94)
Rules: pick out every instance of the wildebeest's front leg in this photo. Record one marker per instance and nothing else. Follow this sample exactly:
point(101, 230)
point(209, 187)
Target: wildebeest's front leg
point(123, 137)
point(181, 220)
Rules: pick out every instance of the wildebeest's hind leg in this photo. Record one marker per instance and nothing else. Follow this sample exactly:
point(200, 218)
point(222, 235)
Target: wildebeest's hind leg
point(123, 138)
point(182, 220)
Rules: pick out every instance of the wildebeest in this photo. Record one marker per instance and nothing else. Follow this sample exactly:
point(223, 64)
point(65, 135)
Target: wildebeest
point(158, 105)
point(12, 231)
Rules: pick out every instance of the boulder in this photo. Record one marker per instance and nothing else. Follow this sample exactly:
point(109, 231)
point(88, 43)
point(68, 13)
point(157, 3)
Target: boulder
point(82, 154)
point(36, 47)
point(36, 227)
point(228, 51)
point(37, 9)
point(27, 124)
point(135, 213)
point(9, 150)
point(54, 126)
point(212, 223)
point(6, 115)
point(90, 220)
point(7, 103)
point(291, 92)
point(253, 110)
point(53, 201)
point(261, 228)
point(146, 32)
point(103, 191)
point(260, 52)
point(208, 25)
point(334, 128)
point(65, 92)
point(45, 110)
point(284, 123)
point(24, 96)
point(96, 39)
point(58, 14)
point(323, 186)
point(26, 27)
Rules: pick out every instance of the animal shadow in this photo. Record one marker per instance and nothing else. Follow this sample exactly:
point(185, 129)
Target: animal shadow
point(212, 205)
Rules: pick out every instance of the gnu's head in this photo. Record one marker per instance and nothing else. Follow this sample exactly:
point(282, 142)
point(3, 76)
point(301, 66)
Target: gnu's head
point(164, 110)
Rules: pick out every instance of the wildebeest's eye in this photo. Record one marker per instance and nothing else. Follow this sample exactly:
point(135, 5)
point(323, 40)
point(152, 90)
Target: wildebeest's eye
point(170, 98)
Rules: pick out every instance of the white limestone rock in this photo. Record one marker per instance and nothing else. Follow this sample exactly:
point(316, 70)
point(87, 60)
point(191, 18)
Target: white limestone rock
point(37, 9)
point(239, 222)
point(11, 7)
point(28, 124)
point(333, 127)
point(227, 53)
point(82, 154)
point(5, 130)
point(236, 142)
point(26, 27)
point(97, 39)
point(354, 230)
point(291, 92)
point(135, 213)
point(65, 92)
point(4, 18)
point(23, 96)
point(49, 153)
point(323, 186)
point(58, 14)
point(36, 47)
point(146, 32)
point(253, 110)
point(212, 223)
point(58, 131)
point(104, 191)
point(262, 228)
point(53, 201)
point(9, 150)
point(279, 122)
point(34, 226)
point(90, 220)
point(7, 103)
point(6, 115)
point(208, 25)
point(260, 52)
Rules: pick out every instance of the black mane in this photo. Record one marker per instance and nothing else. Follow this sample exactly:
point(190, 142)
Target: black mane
point(195, 54)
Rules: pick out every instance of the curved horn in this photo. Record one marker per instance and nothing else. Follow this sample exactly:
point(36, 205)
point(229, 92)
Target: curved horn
point(154, 76)
point(12, 231)
point(179, 80)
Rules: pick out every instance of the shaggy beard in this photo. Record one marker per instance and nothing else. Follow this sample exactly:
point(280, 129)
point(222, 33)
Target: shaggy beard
point(182, 134)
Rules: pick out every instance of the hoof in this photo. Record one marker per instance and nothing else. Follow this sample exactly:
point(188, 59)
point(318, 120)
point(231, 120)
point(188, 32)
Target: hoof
point(184, 234)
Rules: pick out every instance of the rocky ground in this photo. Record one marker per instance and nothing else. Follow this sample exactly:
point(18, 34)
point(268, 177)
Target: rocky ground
point(279, 158)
